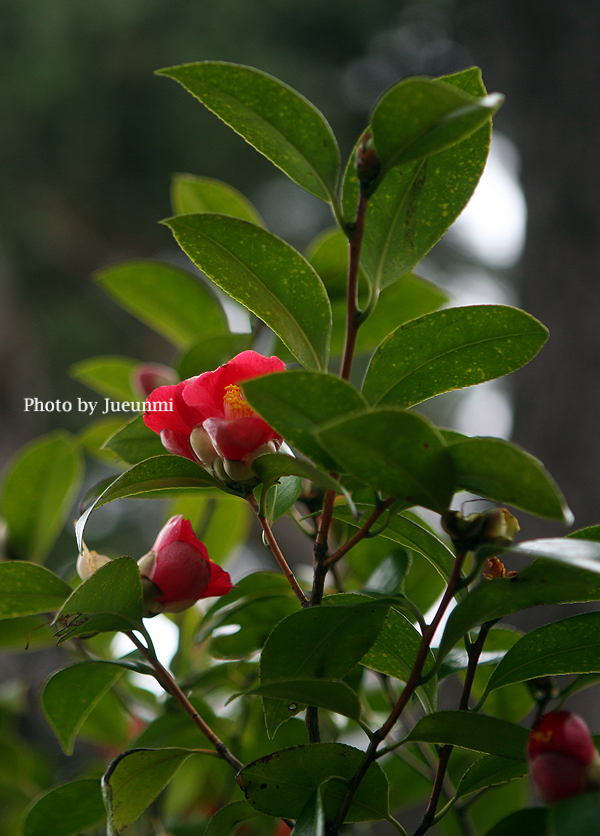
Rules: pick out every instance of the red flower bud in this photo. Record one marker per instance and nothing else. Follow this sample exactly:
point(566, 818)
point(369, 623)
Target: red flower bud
point(180, 570)
point(147, 377)
point(562, 757)
point(210, 419)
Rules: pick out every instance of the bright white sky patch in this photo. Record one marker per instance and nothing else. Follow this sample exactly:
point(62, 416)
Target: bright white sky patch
point(492, 227)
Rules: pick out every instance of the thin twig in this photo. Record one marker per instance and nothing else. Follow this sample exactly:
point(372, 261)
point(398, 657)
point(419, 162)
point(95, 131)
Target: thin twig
point(171, 687)
point(277, 553)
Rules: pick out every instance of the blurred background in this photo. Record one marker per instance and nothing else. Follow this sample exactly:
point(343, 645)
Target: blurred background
point(89, 140)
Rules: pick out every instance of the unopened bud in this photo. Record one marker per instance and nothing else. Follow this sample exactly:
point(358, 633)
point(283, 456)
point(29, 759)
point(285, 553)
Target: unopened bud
point(147, 377)
point(494, 527)
point(88, 561)
point(562, 757)
point(368, 165)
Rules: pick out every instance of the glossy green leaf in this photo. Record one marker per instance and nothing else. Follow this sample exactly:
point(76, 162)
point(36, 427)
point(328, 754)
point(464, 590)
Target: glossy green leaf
point(134, 442)
point(66, 810)
point(135, 778)
point(168, 299)
point(311, 821)
point(416, 203)
point(489, 771)
point(273, 118)
point(94, 435)
point(572, 551)
point(40, 485)
point(543, 582)
point(158, 473)
point(410, 534)
point(28, 589)
point(110, 375)
point(273, 465)
point(191, 195)
point(562, 647)
point(229, 818)
point(408, 298)
point(329, 254)
point(296, 402)
point(207, 354)
point(300, 646)
point(110, 599)
point(576, 816)
point(394, 653)
point(282, 496)
point(451, 349)
point(530, 821)
point(71, 693)
point(478, 732)
point(330, 694)
point(282, 783)
point(264, 274)
point(418, 117)
point(257, 603)
point(396, 452)
point(498, 469)
point(591, 532)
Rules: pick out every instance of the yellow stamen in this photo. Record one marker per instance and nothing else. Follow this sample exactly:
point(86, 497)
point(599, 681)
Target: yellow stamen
point(235, 405)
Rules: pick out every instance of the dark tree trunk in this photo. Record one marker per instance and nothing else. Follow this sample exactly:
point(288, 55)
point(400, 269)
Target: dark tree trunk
point(545, 56)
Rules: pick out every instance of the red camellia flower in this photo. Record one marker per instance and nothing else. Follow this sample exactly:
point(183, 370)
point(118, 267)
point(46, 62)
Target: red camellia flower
point(562, 757)
point(208, 419)
point(180, 569)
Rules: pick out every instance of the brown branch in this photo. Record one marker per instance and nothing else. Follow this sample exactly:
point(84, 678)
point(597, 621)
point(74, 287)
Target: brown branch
point(171, 687)
point(277, 553)
point(352, 321)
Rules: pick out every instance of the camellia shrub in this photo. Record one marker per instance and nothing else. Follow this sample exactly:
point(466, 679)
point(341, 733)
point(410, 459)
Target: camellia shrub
point(388, 687)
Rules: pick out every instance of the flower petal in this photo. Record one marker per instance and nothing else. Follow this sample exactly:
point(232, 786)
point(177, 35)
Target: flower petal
point(239, 438)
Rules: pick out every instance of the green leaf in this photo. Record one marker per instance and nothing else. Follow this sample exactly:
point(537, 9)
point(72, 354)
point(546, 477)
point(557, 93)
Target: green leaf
point(395, 652)
point(256, 603)
point(273, 465)
point(191, 195)
point(329, 254)
point(40, 485)
point(408, 298)
point(135, 778)
point(66, 810)
point(500, 470)
point(296, 402)
point(109, 375)
point(543, 582)
point(451, 349)
point(411, 535)
point(311, 821)
point(264, 274)
point(330, 694)
point(418, 117)
point(415, 204)
point(170, 300)
point(71, 693)
point(489, 771)
point(93, 436)
point(282, 783)
point(573, 552)
point(591, 532)
point(282, 496)
point(396, 452)
point(28, 589)
point(478, 732)
point(270, 116)
point(110, 599)
point(229, 818)
point(563, 647)
point(134, 442)
point(530, 821)
point(158, 473)
point(299, 647)
point(576, 816)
